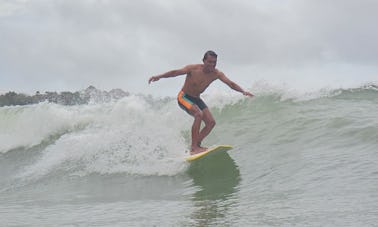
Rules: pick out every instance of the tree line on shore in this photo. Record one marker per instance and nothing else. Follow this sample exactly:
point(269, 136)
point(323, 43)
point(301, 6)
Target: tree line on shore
point(64, 98)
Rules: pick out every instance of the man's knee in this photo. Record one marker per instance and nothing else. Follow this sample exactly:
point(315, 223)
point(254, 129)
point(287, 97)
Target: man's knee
point(211, 123)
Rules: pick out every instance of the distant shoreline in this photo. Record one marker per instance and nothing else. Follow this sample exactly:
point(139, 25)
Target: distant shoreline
point(12, 98)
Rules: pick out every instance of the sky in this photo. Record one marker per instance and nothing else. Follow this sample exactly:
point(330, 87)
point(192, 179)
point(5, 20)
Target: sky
point(67, 45)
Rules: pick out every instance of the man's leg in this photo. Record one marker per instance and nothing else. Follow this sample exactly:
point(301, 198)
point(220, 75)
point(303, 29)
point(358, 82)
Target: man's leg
point(208, 118)
point(198, 115)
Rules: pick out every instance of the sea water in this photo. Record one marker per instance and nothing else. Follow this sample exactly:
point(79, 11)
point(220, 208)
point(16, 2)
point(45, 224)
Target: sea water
point(308, 159)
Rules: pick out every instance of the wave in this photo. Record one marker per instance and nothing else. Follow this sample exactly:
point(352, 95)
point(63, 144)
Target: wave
point(283, 92)
point(144, 135)
point(124, 136)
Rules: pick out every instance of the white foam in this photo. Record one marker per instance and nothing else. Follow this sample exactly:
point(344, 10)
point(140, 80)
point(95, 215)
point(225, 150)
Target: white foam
point(129, 136)
point(26, 126)
point(219, 98)
point(286, 92)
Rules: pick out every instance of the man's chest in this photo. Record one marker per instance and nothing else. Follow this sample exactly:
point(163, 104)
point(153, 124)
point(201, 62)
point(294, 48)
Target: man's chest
point(200, 78)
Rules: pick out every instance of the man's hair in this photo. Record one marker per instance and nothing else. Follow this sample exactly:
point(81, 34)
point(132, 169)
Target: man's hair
point(211, 53)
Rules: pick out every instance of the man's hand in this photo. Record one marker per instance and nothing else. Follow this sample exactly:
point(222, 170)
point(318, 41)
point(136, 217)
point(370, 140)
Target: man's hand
point(153, 79)
point(246, 93)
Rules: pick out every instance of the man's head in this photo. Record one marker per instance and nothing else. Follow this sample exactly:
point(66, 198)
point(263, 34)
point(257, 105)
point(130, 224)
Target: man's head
point(210, 60)
point(209, 53)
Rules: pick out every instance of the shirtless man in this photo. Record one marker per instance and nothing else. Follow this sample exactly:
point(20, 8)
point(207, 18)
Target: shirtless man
point(198, 78)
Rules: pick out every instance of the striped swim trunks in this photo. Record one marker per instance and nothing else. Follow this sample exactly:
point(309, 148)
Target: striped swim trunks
point(186, 102)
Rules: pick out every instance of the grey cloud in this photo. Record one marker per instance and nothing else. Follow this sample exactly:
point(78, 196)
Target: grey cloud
point(108, 42)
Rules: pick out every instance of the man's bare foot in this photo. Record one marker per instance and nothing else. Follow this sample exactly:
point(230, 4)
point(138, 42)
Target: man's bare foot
point(199, 145)
point(196, 150)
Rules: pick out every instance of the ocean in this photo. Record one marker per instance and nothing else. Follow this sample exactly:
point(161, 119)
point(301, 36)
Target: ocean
point(299, 159)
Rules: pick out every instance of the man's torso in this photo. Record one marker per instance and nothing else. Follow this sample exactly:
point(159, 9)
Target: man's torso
point(197, 81)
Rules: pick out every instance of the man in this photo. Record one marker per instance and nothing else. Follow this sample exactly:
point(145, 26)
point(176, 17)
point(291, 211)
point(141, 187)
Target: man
point(198, 78)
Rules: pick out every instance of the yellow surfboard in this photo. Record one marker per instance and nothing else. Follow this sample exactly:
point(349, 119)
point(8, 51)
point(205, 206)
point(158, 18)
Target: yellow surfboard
point(209, 151)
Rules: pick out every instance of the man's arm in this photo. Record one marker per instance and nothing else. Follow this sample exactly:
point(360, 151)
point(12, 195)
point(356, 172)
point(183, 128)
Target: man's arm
point(233, 85)
point(172, 73)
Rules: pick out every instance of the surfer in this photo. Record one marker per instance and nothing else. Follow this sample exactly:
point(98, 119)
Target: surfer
point(198, 78)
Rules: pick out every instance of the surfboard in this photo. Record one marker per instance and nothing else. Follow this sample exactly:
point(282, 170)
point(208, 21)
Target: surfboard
point(210, 151)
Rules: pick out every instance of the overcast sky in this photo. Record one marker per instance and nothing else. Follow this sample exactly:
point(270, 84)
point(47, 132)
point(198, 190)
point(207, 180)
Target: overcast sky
point(61, 45)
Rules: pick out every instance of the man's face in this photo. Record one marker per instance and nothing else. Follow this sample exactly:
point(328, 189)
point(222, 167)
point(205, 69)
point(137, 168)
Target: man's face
point(209, 63)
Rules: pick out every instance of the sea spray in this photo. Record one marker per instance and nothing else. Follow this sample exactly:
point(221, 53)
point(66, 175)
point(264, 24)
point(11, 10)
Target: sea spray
point(127, 136)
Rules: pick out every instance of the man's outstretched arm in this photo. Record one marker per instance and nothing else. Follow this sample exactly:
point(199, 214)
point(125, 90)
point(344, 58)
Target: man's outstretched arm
point(233, 85)
point(172, 73)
